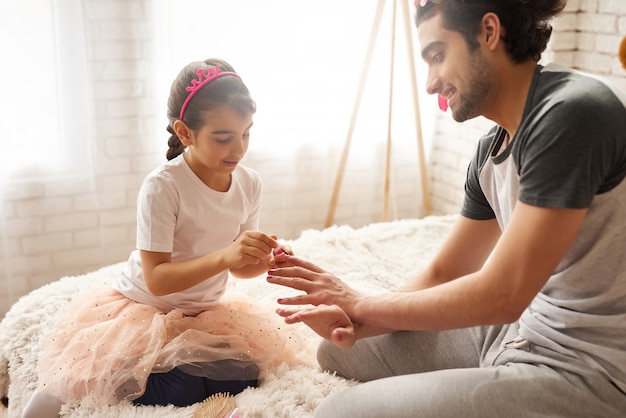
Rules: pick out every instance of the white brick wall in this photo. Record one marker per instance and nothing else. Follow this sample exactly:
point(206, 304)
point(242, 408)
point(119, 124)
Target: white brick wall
point(60, 226)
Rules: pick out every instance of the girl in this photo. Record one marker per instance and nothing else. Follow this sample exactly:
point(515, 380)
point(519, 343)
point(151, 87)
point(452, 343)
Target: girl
point(166, 332)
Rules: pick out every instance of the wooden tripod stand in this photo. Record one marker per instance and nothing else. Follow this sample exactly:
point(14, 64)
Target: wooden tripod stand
point(355, 111)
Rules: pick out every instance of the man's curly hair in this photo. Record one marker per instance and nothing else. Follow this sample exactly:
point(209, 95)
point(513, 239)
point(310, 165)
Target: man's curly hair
point(526, 23)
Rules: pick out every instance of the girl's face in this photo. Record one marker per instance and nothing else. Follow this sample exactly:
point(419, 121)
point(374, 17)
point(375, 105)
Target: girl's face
point(216, 148)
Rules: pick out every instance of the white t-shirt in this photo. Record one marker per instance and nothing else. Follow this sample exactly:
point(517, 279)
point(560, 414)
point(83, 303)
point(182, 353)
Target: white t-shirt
point(178, 214)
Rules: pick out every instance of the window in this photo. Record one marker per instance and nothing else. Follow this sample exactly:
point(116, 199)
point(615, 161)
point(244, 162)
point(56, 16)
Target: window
point(300, 62)
point(45, 112)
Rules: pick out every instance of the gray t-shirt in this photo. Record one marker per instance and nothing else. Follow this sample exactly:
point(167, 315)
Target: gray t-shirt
point(569, 152)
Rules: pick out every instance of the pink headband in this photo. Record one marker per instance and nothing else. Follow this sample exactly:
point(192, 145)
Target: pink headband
point(204, 78)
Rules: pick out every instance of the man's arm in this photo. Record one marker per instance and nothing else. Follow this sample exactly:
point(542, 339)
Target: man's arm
point(494, 287)
point(464, 251)
point(523, 259)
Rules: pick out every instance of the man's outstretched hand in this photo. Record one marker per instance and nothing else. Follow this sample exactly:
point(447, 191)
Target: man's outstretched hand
point(328, 321)
point(319, 286)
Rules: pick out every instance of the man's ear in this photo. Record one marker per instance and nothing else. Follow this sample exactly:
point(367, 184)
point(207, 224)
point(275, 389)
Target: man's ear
point(183, 132)
point(491, 31)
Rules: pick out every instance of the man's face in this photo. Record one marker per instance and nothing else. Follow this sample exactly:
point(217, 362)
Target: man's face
point(461, 76)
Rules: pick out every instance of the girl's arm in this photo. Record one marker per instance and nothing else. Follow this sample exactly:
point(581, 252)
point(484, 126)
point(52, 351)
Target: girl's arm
point(162, 276)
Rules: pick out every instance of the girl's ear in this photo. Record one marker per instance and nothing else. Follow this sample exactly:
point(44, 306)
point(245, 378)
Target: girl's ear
point(183, 132)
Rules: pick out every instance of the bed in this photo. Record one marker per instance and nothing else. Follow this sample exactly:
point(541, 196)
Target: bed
point(373, 258)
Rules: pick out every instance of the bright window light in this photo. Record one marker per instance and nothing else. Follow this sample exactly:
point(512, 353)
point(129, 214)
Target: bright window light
point(301, 61)
point(43, 80)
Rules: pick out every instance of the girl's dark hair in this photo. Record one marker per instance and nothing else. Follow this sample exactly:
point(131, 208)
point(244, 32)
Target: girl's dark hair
point(227, 90)
point(526, 22)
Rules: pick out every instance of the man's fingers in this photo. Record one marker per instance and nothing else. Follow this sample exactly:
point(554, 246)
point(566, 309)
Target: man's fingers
point(342, 337)
point(293, 315)
point(298, 300)
point(304, 264)
point(296, 283)
point(285, 312)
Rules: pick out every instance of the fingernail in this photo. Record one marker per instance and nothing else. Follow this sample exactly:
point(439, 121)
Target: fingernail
point(279, 300)
point(271, 271)
point(270, 277)
point(279, 251)
point(338, 335)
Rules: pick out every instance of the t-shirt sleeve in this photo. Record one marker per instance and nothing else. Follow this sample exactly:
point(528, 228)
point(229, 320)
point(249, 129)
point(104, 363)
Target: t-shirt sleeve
point(157, 210)
point(475, 204)
point(253, 192)
point(572, 151)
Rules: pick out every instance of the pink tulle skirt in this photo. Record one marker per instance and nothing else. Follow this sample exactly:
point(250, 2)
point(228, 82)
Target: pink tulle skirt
point(106, 345)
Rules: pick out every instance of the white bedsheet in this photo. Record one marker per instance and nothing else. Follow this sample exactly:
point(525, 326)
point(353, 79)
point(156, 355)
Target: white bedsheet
point(372, 258)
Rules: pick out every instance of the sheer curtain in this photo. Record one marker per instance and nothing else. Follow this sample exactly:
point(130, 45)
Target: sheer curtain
point(83, 118)
point(45, 127)
point(44, 83)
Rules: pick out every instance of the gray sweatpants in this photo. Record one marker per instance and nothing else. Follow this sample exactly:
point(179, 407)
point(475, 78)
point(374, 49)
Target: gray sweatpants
point(482, 372)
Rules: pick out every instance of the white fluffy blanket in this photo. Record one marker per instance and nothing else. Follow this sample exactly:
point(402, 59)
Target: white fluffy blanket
point(374, 258)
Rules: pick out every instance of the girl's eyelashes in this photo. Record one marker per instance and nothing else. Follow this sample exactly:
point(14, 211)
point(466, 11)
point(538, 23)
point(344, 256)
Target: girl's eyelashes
point(224, 141)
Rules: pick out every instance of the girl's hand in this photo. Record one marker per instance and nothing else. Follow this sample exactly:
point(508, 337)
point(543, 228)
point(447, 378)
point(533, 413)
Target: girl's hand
point(280, 253)
point(251, 247)
point(329, 322)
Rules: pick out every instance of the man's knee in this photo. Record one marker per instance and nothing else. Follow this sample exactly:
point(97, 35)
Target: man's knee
point(364, 361)
point(327, 354)
point(348, 363)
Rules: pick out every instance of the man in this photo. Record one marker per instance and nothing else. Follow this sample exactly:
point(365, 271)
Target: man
point(522, 313)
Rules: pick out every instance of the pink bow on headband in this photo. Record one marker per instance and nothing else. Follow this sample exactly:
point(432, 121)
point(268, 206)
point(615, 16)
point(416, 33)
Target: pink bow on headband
point(422, 3)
